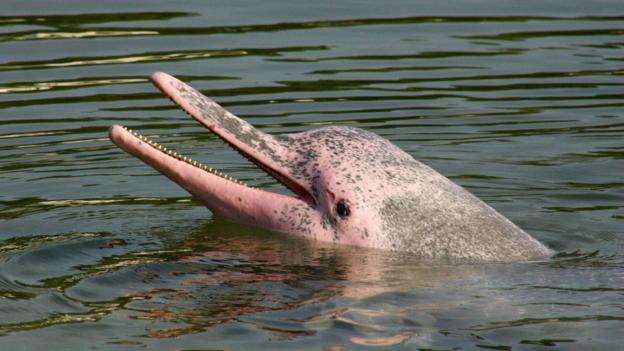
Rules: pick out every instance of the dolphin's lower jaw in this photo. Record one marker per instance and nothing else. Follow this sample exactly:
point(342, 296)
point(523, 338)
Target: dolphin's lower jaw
point(225, 196)
point(350, 186)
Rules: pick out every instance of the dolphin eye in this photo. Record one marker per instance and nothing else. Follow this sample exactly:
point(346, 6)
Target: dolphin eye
point(342, 209)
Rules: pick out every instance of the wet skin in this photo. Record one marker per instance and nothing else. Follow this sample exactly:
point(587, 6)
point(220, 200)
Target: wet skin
point(351, 187)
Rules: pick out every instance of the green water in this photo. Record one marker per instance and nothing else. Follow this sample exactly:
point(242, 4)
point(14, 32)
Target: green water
point(519, 102)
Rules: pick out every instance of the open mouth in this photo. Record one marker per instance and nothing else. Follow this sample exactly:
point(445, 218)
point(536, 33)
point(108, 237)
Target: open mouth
point(218, 120)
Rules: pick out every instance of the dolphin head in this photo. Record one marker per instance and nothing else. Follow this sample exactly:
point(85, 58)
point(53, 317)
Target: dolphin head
point(349, 186)
point(348, 173)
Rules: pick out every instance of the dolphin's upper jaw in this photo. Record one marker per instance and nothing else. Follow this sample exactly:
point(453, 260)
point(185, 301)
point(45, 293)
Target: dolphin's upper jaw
point(259, 148)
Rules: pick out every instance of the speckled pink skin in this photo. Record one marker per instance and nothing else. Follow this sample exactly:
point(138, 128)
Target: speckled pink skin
point(352, 187)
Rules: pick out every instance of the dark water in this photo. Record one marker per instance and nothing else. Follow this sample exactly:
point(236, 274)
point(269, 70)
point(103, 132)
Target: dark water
point(520, 102)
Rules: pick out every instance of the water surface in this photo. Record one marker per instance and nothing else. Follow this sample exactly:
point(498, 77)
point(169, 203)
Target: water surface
point(520, 103)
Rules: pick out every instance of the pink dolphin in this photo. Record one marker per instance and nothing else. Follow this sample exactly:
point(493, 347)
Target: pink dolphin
point(350, 187)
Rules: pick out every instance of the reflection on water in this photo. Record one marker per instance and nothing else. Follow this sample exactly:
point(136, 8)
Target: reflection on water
point(221, 278)
point(522, 106)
